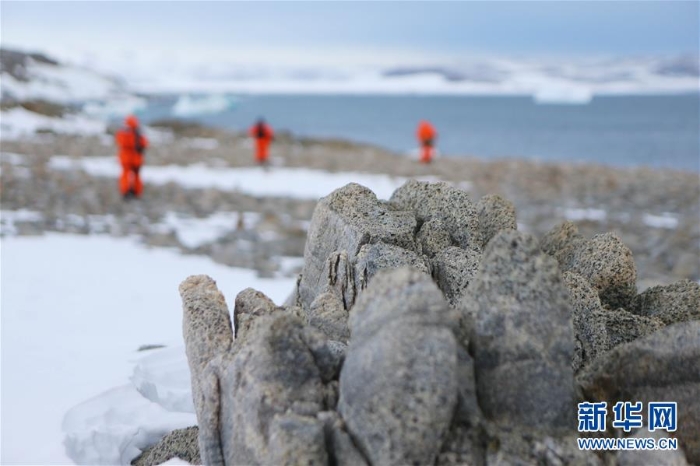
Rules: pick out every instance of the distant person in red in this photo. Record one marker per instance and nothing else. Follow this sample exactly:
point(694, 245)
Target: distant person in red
point(426, 135)
point(263, 134)
point(132, 145)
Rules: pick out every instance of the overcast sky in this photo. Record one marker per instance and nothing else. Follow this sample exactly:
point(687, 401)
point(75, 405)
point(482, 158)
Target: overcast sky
point(310, 32)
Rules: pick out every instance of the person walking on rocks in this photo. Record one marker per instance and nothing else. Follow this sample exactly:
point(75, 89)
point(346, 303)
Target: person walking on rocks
point(263, 135)
point(426, 135)
point(132, 145)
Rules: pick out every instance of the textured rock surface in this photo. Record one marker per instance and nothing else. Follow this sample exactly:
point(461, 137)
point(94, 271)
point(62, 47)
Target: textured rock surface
point(375, 257)
point(609, 267)
point(249, 305)
point(206, 328)
point(642, 457)
point(678, 302)
point(180, 443)
point(433, 237)
point(345, 220)
point(449, 204)
point(328, 314)
point(603, 260)
point(453, 269)
point(562, 242)
point(495, 214)
point(522, 339)
point(659, 367)
point(274, 376)
point(591, 333)
point(405, 343)
point(398, 387)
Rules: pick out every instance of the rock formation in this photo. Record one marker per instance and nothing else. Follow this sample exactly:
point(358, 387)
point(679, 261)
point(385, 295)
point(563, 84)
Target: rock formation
point(427, 330)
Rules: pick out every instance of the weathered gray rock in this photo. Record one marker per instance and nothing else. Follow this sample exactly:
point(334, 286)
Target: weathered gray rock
point(345, 220)
point(375, 257)
point(180, 443)
point(642, 457)
point(433, 237)
point(297, 440)
point(273, 375)
point(495, 214)
point(609, 267)
point(249, 305)
point(342, 449)
point(462, 446)
point(524, 448)
point(603, 260)
point(339, 278)
point(589, 330)
point(398, 386)
point(597, 330)
point(522, 339)
point(328, 315)
point(663, 366)
point(206, 328)
point(440, 200)
point(678, 302)
point(453, 269)
point(562, 242)
point(623, 326)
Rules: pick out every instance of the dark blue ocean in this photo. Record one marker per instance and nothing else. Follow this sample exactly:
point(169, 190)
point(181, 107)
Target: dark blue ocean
point(654, 131)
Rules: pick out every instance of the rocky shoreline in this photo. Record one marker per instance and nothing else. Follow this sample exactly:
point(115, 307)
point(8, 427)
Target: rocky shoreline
point(596, 198)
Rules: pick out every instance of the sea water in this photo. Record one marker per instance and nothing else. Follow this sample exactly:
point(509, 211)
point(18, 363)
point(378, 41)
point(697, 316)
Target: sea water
point(654, 131)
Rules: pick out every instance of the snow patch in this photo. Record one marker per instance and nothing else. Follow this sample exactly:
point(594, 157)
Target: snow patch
point(60, 83)
point(665, 220)
point(194, 232)
point(576, 214)
point(202, 143)
point(8, 219)
point(117, 425)
point(163, 377)
point(18, 122)
point(299, 183)
point(78, 308)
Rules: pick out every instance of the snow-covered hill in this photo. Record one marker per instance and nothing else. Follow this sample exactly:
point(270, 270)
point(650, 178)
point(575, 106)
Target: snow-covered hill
point(33, 76)
point(39, 93)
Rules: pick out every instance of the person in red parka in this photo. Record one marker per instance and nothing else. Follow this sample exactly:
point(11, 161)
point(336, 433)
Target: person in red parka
point(263, 135)
point(132, 145)
point(426, 135)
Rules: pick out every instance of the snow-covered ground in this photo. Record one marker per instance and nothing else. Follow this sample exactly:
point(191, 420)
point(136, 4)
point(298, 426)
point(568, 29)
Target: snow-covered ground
point(60, 83)
point(75, 309)
point(299, 183)
point(19, 122)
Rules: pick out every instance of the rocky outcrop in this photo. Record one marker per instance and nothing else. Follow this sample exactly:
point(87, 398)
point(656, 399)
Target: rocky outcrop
point(663, 366)
point(679, 302)
point(495, 214)
point(603, 260)
point(522, 336)
point(346, 220)
point(398, 386)
point(180, 443)
point(428, 330)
